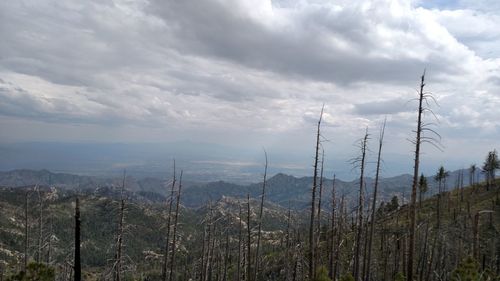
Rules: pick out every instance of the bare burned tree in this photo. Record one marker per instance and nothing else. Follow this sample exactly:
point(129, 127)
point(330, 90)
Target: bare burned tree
point(211, 245)
point(365, 239)
point(433, 139)
point(174, 235)
point(475, 245)
point(374, 202)
point(26, 230)
point(40, 225)
point(259, 230)
point(360, 163)
point(207, 262)
point(202, 260)
point(226, 257)
point(49, 242)
point(249, 242)
point(318, 216)
point(167, 238)
point(312, 269)
point(119, 237)
point(240, 238)
point(340, 234)
point(332, 235)
point(288, 245)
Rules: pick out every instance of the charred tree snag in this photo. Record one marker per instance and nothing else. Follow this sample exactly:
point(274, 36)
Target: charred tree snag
point(311, 253)
point(374, 202)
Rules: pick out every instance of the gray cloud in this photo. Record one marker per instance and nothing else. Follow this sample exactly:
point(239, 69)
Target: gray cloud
point(302, 48)
point(250, 70)
point(384, 107)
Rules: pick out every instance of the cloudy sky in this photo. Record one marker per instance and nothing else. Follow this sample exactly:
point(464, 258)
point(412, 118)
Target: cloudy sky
point(252, 73)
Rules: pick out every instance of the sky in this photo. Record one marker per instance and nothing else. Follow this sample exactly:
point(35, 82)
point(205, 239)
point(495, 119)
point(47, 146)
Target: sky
point(253, 74)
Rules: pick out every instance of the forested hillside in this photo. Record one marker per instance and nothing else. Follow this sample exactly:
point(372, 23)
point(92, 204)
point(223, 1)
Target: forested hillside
point(212, 240)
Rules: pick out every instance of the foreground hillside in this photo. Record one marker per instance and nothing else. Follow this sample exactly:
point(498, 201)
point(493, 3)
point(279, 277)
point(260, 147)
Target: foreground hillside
point(144, 232)
point(466, 225)
point(441, 248)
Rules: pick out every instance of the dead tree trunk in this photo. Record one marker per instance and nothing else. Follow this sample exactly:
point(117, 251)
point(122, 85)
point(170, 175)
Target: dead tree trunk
point(366, 240)
point(167, 238)
point(226, 257)
point(202, 262)
point(249, 242)
point(211, 255)
point(438, 208)
point(339, 239)
point(412, 205)
point(119, 239)
point(77, 264)
point(475, 245)
point(210, 230)
point(359, 228)
point(259, 231)
point(374, 203)
point(404, 254)
point(49, 242)
point(289, 257)
point(423, 256)
point(332, 236)
point(174, 235)
point(312, 269)
point(26, 231)
point(119, 243)
point(240, 237)
point(40, 226)
point(431, 261)
point(384, 251)
point(320, 195)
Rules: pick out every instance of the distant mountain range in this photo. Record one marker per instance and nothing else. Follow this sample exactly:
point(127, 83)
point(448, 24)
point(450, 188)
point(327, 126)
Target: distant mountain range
point(282, 189)
point(202, 162)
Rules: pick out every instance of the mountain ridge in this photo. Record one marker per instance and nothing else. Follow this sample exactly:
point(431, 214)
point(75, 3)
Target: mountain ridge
point(282, 189)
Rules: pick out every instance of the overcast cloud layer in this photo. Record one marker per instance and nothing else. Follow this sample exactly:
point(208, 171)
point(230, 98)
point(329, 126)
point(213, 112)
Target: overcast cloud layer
point(250, 72)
